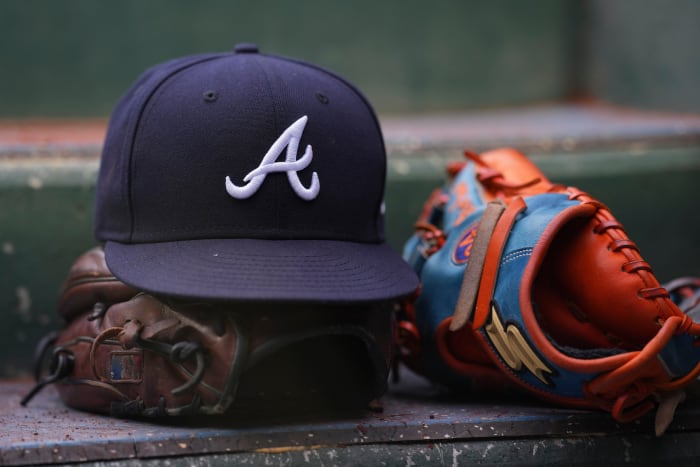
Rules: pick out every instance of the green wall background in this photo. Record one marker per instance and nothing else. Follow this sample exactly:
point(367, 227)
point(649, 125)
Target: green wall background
point(75, 57)
point(644, 53)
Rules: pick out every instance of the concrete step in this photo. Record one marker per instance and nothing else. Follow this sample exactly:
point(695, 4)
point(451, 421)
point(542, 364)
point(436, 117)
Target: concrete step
point(419, 425)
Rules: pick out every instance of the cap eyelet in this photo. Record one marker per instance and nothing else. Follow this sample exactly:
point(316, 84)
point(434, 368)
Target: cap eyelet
point(322, 98)
point(210, 96)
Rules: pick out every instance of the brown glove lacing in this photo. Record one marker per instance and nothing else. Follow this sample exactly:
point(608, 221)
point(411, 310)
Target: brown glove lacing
point(636, 397)
point(494, 181)
point(620, 243)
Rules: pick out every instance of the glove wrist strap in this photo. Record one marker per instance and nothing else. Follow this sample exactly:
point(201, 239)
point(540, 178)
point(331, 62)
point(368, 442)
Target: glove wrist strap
point(482, 269)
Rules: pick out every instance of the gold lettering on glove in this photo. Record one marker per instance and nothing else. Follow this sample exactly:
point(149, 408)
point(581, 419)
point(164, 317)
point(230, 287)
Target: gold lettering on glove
point(514, 349)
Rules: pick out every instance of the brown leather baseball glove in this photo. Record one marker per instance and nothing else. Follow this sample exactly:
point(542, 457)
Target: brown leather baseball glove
point(128, 353)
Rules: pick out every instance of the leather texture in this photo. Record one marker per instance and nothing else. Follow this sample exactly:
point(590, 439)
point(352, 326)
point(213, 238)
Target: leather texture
point(565, 307)
point(129, 353)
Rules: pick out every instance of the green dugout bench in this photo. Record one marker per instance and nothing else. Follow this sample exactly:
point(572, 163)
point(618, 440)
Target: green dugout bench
point(644, 165)
point(444, 76)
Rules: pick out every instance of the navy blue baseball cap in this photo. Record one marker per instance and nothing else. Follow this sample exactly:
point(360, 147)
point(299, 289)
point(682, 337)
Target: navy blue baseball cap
point(245, 176)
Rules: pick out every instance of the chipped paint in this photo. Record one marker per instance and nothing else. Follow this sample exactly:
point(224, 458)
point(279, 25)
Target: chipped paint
point(628, 446)
point(43, 319)
point(489, 447)
point(279, 449)
point(24, 300)
point(34, 182)
point(455, 456)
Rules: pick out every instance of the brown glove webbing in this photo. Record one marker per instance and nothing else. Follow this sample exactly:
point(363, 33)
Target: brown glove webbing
point(244, 360)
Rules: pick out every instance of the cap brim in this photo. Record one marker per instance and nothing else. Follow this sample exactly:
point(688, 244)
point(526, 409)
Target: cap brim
point(252, 269)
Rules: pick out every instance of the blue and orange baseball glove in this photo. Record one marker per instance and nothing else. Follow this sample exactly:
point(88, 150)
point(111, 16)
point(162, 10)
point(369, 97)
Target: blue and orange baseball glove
point(529, 285)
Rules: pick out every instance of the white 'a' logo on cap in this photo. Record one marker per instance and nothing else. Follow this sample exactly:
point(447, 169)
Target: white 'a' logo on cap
point(289, 138)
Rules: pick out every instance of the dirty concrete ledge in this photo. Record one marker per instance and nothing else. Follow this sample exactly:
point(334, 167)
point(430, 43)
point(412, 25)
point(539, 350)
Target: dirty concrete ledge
point(420, 425)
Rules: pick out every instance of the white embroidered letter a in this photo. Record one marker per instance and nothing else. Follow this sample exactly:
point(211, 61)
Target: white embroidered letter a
point(289, 138)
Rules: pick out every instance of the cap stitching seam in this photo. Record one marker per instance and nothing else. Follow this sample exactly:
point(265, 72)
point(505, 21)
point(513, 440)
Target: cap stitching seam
point(370, 109)
point(137, 121)
point(276, 123)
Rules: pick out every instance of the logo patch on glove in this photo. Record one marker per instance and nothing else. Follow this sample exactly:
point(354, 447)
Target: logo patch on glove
point(462, 202)
point(514, 349)
point(126, 366)
point(464, 246)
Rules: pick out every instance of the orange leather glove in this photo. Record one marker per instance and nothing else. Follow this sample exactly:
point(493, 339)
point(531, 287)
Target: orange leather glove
point(532, 285)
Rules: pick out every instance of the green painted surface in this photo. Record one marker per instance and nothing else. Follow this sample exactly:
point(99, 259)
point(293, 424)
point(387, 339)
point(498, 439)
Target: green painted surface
point(76, 57)
point(607, 450)
point(644, 53)
point(41, 230)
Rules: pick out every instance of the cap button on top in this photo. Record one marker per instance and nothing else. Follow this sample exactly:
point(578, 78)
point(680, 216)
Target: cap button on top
point(245, 48)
